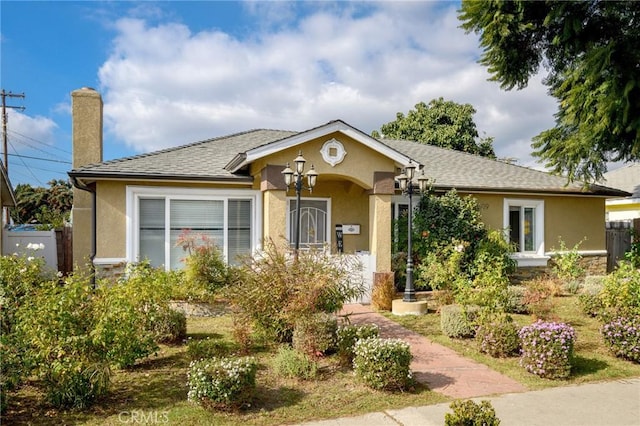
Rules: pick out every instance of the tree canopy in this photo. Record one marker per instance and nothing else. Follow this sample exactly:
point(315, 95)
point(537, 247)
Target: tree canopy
point(591, 51)
point(446, 124)
point(46, 206)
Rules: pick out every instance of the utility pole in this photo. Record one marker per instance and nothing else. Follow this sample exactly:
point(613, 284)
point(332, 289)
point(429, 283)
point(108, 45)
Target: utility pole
point(4, 96)
point(5, 144)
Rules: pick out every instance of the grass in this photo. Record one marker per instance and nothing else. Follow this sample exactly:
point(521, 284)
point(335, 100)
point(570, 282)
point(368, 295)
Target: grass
point(593, 362)
point(155, 391)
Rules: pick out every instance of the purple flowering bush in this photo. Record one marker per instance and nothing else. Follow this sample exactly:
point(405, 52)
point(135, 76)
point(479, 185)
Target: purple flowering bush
point(547, 349)
point(622, 337)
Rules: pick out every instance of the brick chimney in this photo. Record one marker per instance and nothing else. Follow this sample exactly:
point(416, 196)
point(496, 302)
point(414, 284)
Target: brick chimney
point(86, 113)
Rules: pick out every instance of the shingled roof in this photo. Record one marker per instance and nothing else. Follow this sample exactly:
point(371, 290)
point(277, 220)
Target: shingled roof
point(206, 161)
point(626, 178)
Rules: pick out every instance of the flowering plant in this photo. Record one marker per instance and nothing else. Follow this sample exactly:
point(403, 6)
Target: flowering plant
point(547, 349)
point(348, 335)
point(221, 382)
point(383, 363)
point(622, 336)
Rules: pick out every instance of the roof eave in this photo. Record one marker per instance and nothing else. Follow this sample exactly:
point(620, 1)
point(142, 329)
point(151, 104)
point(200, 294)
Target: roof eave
point(92, 177)
point(549, 191)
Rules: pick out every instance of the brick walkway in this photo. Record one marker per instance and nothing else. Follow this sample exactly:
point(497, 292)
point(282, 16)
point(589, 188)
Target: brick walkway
point(440, 368)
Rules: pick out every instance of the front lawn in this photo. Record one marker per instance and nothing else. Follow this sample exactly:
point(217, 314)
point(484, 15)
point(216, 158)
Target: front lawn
point(593, 362)
point(155, 390)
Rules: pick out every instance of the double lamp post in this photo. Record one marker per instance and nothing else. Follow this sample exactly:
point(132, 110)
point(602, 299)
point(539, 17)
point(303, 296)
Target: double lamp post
point(296, 177)
point(406, 182)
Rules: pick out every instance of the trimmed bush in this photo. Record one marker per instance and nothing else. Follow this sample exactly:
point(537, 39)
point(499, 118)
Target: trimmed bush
point(383, 363)
point(315, 335)
point(498, 338)
point(291, 363)
point(348, 335)
point(468, 413)
point(622, 337)
point(222, 383)
point(547, 349)
point(458, 321)
point(590, 304)
point(168, 326)
point(208, 348)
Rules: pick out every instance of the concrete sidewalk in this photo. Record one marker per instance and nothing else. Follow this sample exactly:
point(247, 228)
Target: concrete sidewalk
point(614, 403)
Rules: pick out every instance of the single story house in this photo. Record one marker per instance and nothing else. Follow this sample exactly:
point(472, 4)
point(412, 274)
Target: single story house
point(626, 178)
point(7, 199)
point(232, 189)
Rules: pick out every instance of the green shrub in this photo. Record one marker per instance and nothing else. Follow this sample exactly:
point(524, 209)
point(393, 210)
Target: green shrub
point(204, 264)
point(383, 363)
point(458, 321)
point(292, 363)
point(278, 290)
point(622, 336)
point(222, 383)
point(468, 413)
point(513, 300)
point(315, 335)
point(76, 383)
point(12, 368)
point(590, 304)
point(498, 338)
point(566, 263)
point(441, 269)
point(120, 326)
point(547, 349)
point(208, 348)
point(167, 326)
point(348, 335)
point(621, 292)
point(20, 276)
point(57, 326)
point(492, 264)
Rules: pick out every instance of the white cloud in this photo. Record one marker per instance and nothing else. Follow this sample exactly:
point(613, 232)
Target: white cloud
point(25, 132)
point(165, 85)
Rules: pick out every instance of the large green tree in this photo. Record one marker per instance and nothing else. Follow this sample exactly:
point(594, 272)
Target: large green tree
point(49, 207)
point(441, 123)
point(591, 51)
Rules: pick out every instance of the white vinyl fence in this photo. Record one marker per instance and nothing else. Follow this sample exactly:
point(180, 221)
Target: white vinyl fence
point(32, 243)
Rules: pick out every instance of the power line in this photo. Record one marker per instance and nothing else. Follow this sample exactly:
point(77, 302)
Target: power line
point(25, 165)
point(37, 158)
point(39, 141)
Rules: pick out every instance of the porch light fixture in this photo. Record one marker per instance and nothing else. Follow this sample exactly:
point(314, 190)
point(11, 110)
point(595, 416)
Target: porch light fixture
point(406, 181)
point(296, 178)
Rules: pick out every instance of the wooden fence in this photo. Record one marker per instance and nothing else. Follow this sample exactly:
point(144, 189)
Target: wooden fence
point(619, 239)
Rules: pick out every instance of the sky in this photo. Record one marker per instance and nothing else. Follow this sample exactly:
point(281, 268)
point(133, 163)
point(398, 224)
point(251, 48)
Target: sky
point(175, 72)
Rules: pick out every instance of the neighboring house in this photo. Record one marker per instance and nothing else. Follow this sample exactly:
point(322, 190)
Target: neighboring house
point(626, 178)
point(7, 199)
point(232, 189)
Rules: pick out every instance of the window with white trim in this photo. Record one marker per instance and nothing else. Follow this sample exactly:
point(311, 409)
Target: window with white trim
point(314, 222)
point(524, 222)
point(158, 216)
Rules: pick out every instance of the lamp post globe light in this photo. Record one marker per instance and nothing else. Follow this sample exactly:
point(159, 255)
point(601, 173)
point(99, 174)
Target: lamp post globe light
point(296, 178)
point(406, 181)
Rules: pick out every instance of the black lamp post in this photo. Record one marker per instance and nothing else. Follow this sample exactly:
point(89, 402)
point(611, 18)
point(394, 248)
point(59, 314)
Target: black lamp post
point(296, 177)
point(406, 182)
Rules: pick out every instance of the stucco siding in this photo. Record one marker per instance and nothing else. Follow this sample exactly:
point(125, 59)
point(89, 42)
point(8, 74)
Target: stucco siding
point(358, 165)
point(111, 220)
point(575, 219)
